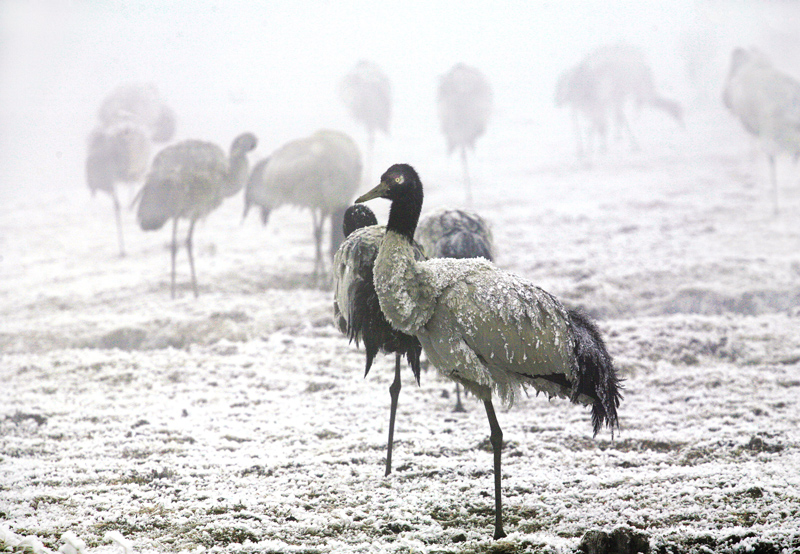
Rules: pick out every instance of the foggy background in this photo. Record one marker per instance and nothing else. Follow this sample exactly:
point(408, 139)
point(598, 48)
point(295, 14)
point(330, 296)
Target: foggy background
point(273, 68)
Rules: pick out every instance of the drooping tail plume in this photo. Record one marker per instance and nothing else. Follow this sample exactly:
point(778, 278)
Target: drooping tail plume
point(597, 377)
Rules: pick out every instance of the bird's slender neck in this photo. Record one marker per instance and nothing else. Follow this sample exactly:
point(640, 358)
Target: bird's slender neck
point(238, 168)
point(404, 215)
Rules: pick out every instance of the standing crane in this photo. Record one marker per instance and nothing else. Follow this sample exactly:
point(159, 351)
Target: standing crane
point(465, 102)
point(606, 80)
point(129, 118)
point(189, 180)
point(356, 310)
point(453, 233)
point(119, 152)
point(367, 93)
point(767, 102)
point(485, 328)
point(321, 172)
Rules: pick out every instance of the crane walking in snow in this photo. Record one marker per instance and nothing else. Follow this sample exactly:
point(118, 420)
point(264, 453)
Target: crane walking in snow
point(453, 233)
point(189, 180)
point(605, 81)
point(464, 100)
point(356, 310)
point(485, 328)
point(767, 102)
point(321, 172)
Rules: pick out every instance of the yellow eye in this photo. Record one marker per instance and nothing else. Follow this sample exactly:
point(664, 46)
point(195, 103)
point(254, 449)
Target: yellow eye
point(399, 179)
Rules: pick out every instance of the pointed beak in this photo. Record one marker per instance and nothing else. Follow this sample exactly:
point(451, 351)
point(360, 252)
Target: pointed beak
point(377, 192)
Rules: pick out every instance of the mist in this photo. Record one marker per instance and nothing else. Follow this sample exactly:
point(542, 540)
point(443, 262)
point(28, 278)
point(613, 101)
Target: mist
point(273, 67)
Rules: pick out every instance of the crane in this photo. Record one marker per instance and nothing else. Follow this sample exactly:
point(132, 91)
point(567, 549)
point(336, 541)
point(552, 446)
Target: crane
point(189, 180)
point(464, 100)
point(767, 102)
point(321, 172)
point(356, 310)
point(486, 328)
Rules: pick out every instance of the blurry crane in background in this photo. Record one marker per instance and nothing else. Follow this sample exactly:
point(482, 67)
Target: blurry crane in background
point(485, 328)
point(767, 102)
point(188, 180)
point(142, 103)
point(321, 172)
point(464, 101)
point(118, 152)
point(130, 117)
point(602, 85)
point(356, 310)
point(367, 93)
point(451, 233)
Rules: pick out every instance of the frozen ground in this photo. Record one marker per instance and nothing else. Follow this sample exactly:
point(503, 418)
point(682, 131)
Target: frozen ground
point(240, 422)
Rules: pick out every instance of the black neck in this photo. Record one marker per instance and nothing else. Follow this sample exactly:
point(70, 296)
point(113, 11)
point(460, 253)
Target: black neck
point(404, 214)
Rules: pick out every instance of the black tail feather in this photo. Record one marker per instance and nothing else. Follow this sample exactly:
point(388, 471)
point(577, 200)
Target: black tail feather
point(369, 324)
point(597, 377)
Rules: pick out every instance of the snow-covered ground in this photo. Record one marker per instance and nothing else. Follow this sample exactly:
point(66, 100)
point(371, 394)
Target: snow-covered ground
point(241, 421)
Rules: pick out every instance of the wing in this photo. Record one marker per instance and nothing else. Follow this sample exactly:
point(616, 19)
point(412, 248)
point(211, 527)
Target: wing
point(493, 329)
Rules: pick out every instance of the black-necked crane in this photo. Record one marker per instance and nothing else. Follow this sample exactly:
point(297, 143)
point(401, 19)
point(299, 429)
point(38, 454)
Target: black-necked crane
point(602, 85)
point(118, 152)
point(321, 172)
point(367, 93)
point(454, 233)
point(464, 100)
point(767, 102)
point(486, 328)
point(356, 310)
point(188, 180)
point(142, 103)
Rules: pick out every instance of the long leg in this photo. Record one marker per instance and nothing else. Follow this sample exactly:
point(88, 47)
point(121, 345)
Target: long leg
point(496, 438)
point(191, 256)
point(318, 219)
point(467, 182)
point(773, 175)
point(118, 216)
point(459, 406)
point(394, 392)
point(173, 252)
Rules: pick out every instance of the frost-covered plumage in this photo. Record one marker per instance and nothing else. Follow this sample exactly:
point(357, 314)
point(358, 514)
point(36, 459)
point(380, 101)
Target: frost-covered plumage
point(454, 233)
point(118, 152)
point(464, 101)
point(767, 102)
point(321, 172)
point(488, 329)
point(188, 180)
point(601, 86)
point(356, 309)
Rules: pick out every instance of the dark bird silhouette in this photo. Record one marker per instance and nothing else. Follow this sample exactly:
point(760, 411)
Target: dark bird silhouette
point(453, 233)
point(117, 153)
point(321, 172)
point(367, 93)
point(485, 328)
point(767, 102)
point(356, 310)
point(465, 103)
point(189, 180)
point(142, 103)
point(602, 85)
